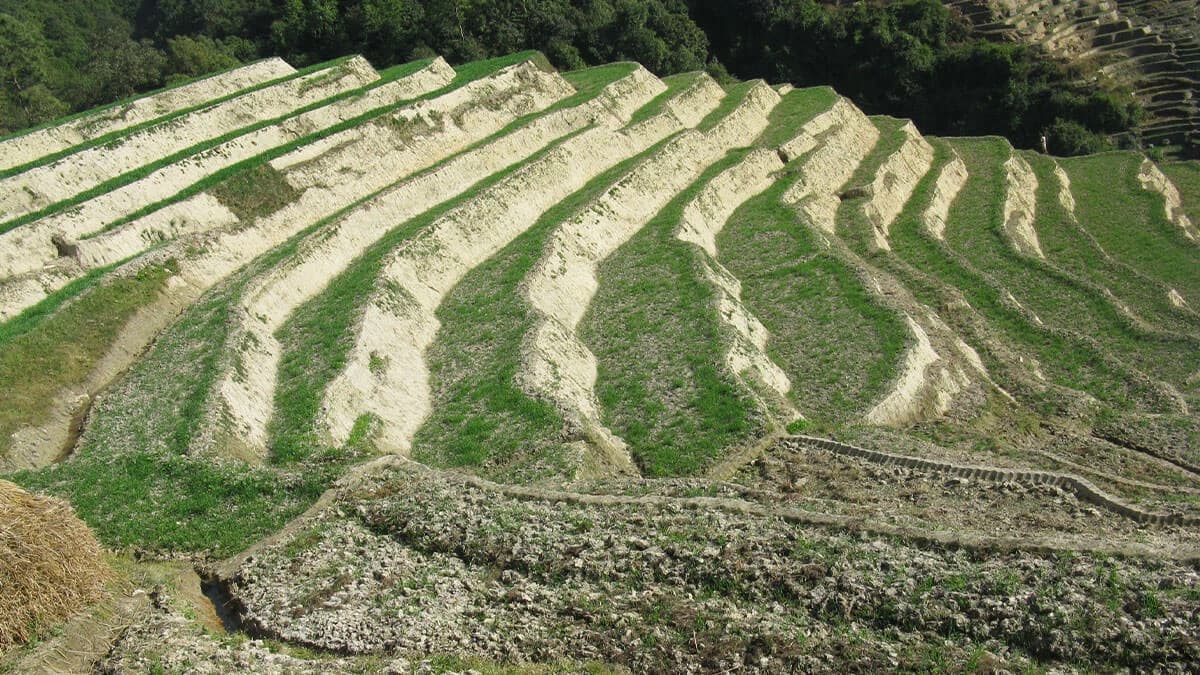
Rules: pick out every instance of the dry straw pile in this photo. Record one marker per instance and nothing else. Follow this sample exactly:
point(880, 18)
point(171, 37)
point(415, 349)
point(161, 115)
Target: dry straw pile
point(50, 564)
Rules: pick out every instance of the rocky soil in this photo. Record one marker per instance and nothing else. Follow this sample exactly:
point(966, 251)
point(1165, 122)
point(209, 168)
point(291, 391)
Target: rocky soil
point(410, 561)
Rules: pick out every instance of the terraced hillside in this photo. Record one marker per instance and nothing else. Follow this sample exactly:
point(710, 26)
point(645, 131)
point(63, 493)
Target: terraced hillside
point(492, 366)
point(1152, 46)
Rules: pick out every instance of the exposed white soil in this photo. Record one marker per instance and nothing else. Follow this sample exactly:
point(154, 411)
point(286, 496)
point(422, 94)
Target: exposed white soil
point(29, 147)
point(359, 153)
point(556, 365)
point(837, 141)
point(945, 190)
point(926, 386)
point(1153, 179)
point(747, 357)
point(23, 292)
point(247, 388)
point(412, 145)
point(1020, 207)
point(44, 185)
point(400, 323)
point(703, 219)
point(705, 216)
point(1176, 299)
point(208, 258)
point(895, 182)
point(202, 212)
point(1065, 197)
point(1010, 299)
point(695, 102)
point(30, 247)
point(806, 139)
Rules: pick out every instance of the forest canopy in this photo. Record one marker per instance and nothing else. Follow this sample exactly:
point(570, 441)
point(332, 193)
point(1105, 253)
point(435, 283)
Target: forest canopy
point(911, 58)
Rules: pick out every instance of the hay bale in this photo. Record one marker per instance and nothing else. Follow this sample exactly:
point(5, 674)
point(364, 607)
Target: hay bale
point(50, 564)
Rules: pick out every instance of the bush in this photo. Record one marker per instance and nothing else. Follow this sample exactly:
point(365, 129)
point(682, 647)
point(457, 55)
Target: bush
point(1068, 137)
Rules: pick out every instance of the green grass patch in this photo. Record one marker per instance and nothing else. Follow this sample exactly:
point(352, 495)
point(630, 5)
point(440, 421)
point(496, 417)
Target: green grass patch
point(795, 109)
point(658, 341)
point(255, 192)
point(60, 351)
point(481, 419)
point(1057, 298)
point(33, 316)
point(1066, 244)
point(173, 501)
point(1130, 223)
point(930, 268)
point(838, 345)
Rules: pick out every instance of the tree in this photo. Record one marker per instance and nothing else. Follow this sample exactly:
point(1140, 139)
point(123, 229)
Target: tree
point(191, 56)
point(24, 99)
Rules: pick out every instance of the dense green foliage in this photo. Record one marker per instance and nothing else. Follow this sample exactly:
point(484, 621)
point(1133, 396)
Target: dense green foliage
point(911, 58)
point(916, 59)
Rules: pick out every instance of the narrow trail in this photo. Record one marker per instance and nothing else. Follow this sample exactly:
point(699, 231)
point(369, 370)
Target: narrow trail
point(1187, 468)
point(1081, 487)
point(1113, 478)
point(556, 365)
point(387, 374)
point(341, 497)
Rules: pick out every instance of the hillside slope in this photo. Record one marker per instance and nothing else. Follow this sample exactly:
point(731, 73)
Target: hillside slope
point(1153, 48)
point(498, 365)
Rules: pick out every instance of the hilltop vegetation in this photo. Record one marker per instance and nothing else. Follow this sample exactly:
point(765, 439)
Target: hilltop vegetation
point(914, 58)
